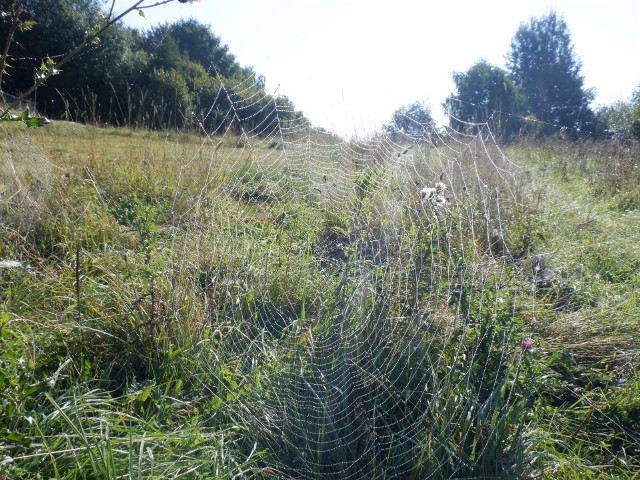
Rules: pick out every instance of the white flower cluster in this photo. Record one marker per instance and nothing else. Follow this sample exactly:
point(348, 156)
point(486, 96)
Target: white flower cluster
point(434, 195)
point(11, 264)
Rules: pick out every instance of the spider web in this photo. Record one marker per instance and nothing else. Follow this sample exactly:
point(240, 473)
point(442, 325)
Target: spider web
point(366, 300)
point(367, 294)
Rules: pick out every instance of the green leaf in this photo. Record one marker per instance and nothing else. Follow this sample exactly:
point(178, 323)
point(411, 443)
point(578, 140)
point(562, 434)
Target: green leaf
point(144, 394)
point(33, 389)
point(37, 121)
point(27, 25)
point(17, 438)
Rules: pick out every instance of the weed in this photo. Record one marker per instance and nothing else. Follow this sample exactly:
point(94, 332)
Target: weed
point(217, 308)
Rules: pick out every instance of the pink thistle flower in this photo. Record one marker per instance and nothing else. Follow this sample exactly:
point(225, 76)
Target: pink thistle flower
point(526, 344)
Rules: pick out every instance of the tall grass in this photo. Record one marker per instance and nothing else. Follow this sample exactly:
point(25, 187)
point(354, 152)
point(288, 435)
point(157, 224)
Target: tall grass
point(189, 308)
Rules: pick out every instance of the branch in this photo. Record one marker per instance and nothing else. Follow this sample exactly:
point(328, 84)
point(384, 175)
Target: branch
point(161, 2)
point(52, 69)
point(16, 11)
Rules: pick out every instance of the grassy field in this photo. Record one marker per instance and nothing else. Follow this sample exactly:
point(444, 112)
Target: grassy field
point(180, 307)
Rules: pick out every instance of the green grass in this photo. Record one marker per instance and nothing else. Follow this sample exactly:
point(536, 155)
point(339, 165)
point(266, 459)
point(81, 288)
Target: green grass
point(211, 308)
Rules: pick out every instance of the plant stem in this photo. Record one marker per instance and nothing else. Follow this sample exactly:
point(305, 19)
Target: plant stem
point(78, 305)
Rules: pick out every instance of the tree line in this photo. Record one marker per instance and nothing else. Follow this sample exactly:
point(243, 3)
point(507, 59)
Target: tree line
point(182, 76)
point(540, 93)
point(177, 75)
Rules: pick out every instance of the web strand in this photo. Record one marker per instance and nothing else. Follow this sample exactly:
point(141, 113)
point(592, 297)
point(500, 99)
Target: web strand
point(361, 303)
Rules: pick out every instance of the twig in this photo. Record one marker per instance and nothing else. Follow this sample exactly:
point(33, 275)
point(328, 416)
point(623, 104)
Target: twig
point(16, 11)
point(49, 71)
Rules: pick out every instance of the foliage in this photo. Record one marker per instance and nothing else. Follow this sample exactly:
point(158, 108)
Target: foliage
point(190, 309)
point(176, 76)
point(614, 121)
point(60, 26)
point(413, 121)
point(188, 40)
point(173, 98)
point(544, 67)
point(485, 95)
point(634, 127)
point(26, 118)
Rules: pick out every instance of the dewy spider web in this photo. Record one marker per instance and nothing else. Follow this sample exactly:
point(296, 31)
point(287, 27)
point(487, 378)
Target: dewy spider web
point(364, 296)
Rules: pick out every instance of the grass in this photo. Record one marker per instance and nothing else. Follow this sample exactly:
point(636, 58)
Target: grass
point(246, 308)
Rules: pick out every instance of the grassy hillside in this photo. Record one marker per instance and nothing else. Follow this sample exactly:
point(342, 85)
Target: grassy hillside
point(180, 307)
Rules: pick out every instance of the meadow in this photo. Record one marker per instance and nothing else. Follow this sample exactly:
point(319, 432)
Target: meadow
point(178, 306)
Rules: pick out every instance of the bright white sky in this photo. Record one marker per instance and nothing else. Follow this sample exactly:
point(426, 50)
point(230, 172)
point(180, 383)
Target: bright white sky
point(348, 64)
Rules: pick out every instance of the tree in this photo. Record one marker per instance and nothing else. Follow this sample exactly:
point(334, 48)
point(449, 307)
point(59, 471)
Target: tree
point(72, 37)
point(191, 40)
point(544, 67)
point(198, 42)
point(414, 121)
point(219, 97)
point(176, 76)
point(615, 121)
point(485, 96)
point(634, 120)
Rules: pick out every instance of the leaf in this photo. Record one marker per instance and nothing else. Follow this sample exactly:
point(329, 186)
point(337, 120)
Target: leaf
point(27, 25)
point(33, 389)
point(144, 394)
point(37, 121)
point(17, 438)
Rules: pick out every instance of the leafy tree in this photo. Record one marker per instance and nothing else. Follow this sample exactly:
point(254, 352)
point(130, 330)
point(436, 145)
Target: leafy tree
point(171, 104)
point(175, 76)
point(615, 120)
point(414, 121)
point(543, 65)
point(198, 43)
point(60, 27)
point(162, 49)
point(188, 39)
point(634, 121)
point(485, 96)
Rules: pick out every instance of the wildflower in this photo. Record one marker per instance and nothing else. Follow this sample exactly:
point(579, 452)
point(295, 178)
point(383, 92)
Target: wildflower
point(526, 344)
point(427, 193)
point(434, 195)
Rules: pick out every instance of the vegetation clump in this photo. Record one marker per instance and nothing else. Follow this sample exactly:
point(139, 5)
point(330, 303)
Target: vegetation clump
point(165, 319)
point(268, 301)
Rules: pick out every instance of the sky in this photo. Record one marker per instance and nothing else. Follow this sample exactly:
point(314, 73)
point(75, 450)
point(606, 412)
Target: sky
point(349, 64)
